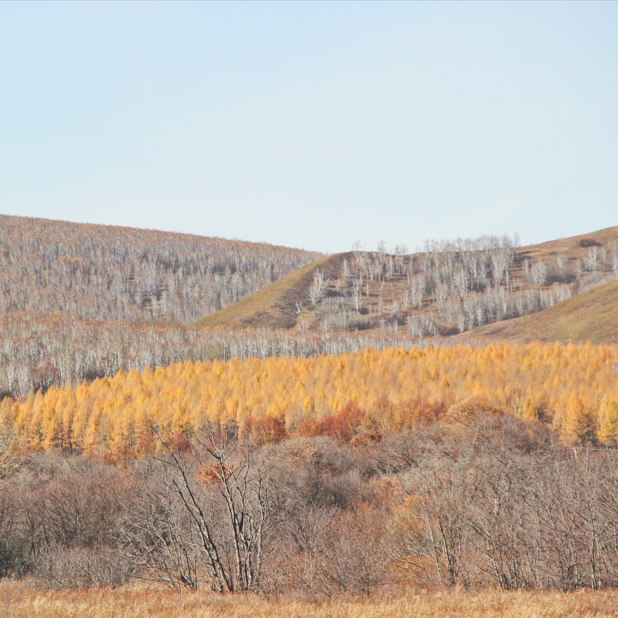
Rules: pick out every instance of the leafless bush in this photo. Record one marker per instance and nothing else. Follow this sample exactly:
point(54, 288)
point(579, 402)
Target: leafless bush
point(160, 538)
point(356, 553)
point(13, 543)
point(481, 499)
point(589, 242)
point(207, 522)
point(79, 567)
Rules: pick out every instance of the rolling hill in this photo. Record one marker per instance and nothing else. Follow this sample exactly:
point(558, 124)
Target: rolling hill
point(101, 272)
point(278, 304)
point(81, 301)
point(449, 288)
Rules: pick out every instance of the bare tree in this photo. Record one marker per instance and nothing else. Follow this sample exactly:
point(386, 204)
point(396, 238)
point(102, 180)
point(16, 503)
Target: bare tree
point(236, 468)
point(538, 274)
point(417, 289)
point(592, 259)
point(317, 287)
point(9, 459)
point(435, 523)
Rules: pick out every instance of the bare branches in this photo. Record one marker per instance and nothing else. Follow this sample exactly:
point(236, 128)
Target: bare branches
point(237, 470)
point(103, 272)
point(9, 458)
point(317, 287)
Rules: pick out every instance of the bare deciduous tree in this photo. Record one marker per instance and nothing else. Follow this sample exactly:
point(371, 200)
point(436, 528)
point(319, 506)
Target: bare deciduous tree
point(235, 469)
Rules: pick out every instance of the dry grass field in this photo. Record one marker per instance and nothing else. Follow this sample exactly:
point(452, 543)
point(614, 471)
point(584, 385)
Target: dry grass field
point(18, 600)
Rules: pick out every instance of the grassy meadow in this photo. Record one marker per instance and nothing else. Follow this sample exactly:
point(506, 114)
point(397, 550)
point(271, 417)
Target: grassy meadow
point(18, 600)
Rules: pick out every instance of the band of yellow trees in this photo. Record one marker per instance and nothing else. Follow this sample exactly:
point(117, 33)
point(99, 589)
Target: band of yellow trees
point(572, 388)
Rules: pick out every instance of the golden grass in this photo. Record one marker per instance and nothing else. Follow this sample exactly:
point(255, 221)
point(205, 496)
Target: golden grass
point(18, 600)
point(270, 306)
point(569, 246)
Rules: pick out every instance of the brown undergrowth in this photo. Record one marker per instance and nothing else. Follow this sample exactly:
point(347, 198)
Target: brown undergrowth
point(19, 600)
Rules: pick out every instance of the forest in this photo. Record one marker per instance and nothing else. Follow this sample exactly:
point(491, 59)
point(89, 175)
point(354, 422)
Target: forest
point(349, 397)
point(359, 299)
point(37, 352)
point(100, 272)
point(359, 473)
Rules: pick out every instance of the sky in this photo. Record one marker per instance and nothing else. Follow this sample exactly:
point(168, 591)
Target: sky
point(313, 124)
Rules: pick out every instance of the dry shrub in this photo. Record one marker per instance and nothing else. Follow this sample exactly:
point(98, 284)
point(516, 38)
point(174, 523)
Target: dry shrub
point(357, 557)
point(59, 567)
point(12, 541)
point(589, 242)
point(464, 411)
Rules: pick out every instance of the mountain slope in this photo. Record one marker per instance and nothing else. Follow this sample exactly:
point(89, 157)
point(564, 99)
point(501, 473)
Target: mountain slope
point(591, 316)
point(450, 287)
point(572, 246)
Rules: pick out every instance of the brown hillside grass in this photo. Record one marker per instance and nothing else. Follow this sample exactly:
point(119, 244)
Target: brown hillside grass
point(569, 246)
point(18, 600)
point(273, 306)
point(591, 316)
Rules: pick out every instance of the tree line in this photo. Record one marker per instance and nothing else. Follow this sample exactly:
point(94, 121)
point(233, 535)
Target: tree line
point(350, 396)
point(37, 352)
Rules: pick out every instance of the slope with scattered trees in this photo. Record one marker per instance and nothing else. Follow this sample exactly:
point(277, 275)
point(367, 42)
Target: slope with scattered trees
point(591, 316)
point(449, 287)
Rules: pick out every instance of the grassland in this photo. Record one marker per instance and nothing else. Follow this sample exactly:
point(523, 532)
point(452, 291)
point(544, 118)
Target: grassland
point(18, 600)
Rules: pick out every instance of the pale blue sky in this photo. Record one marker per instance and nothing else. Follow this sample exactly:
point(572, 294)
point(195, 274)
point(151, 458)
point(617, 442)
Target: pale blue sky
point(313, 124)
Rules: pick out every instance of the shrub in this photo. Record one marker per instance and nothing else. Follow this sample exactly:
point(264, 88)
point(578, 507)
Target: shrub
point(589, 242)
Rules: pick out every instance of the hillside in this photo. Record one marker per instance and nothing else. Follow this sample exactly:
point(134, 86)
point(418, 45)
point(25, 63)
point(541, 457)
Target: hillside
point(591, 316)
point(100, 272)
point(472, 291)
point(571, 246)
point(277, 305)
point(450, 287)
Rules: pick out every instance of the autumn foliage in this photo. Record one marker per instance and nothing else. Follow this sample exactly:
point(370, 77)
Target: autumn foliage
point(350, 397)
